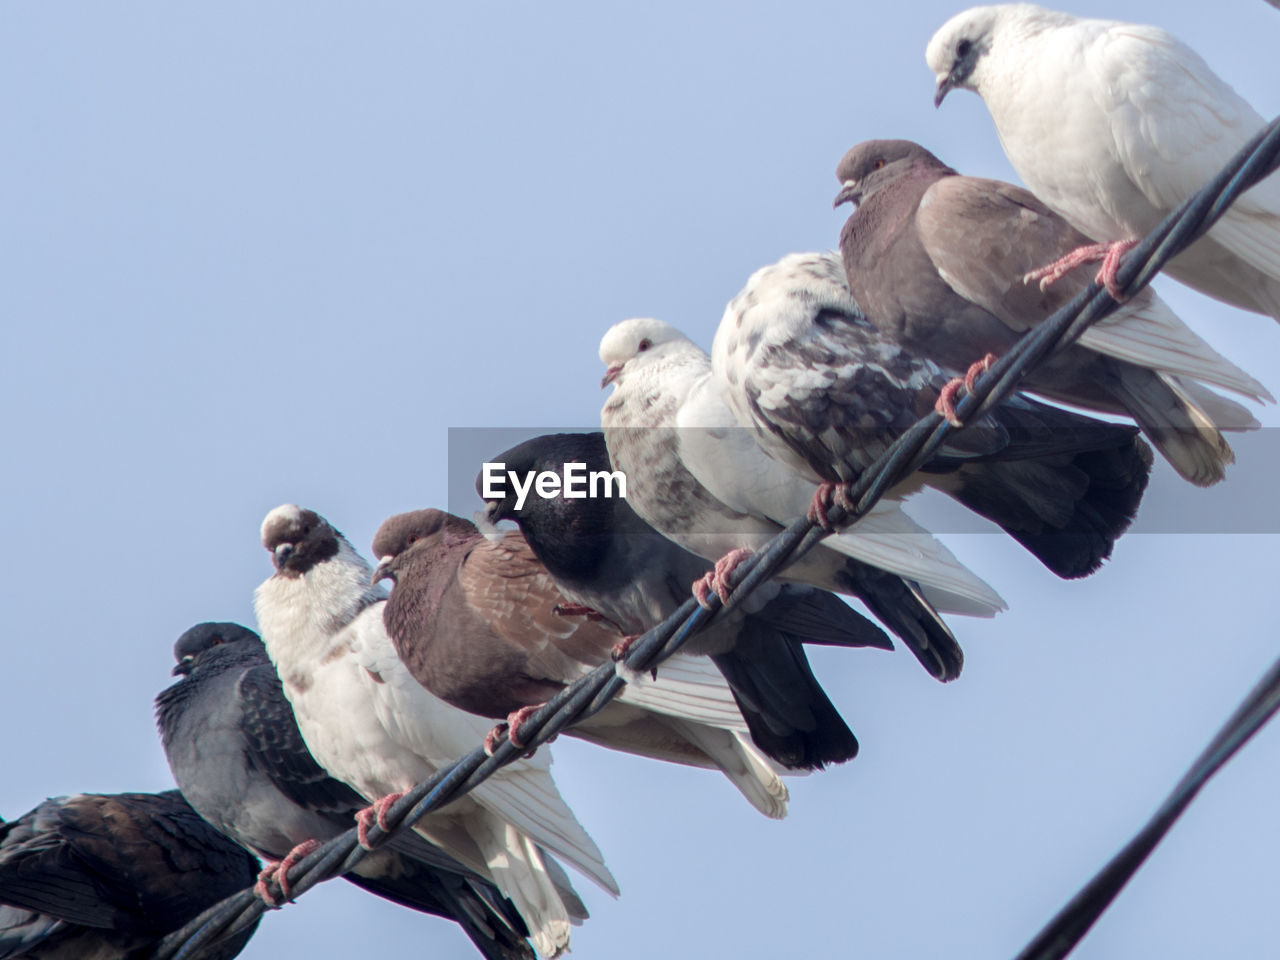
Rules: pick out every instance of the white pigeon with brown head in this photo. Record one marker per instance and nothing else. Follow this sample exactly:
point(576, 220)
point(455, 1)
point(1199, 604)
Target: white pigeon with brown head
point(370, 724)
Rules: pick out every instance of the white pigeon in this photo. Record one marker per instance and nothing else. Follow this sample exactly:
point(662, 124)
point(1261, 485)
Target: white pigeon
point(369, 723)
point(699, 478)
point(1113, 125)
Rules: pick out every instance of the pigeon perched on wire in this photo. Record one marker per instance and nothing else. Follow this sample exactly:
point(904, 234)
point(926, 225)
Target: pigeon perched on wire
point(475, 621)
point(1112, 125)
point(936, 260)
point(826, 393)
point(369, 723)
point(605, 558)
point(106, 876)
point(237, 755)
point(700, 479)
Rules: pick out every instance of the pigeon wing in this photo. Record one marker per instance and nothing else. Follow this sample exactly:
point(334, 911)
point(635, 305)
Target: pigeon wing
point(1171, 137)
point(984, 236)
point(275, 746)
point(506, 585)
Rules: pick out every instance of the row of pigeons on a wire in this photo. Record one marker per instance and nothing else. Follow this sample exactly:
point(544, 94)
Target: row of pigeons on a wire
point(355, 692)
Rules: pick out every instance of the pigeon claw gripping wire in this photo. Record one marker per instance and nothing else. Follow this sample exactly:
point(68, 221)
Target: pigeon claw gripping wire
point(376, 813)
point(511, 729)
point(820, 504)
point(718, 579)
point(946, 403)
point(1108, 253)
point(623, 646)
point(279, 872)
point(978, 369)
point(263, 887)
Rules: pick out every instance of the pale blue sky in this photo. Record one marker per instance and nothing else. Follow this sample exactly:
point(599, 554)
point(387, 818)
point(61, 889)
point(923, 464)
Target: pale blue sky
point(258, 252)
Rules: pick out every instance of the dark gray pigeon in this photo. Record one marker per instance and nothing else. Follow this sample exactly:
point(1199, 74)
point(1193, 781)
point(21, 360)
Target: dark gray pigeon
point(474, 621)
point(106, 876)
point(944, 265)
point(237, 754)
point(605, 558)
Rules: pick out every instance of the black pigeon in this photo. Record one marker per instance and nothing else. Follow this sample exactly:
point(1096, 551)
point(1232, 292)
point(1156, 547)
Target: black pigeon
point(235, 750)
point(603, 556)
point(106, 876)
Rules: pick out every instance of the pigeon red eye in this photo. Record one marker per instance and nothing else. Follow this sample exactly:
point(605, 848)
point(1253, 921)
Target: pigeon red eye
point(644, 345)
point(876, 165)
point(413, 539)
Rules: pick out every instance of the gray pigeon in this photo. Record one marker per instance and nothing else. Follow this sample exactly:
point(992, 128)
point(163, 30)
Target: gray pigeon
point(937, 261)
point(605, 558)
point(474, 621)
point(106, 876)
point(235, 750)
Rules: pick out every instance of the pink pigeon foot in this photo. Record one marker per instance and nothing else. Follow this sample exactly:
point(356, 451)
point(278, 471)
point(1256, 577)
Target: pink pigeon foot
point(1108, 253)
point(1110, 265)
point(820, 504)
point(623, 646)
point(279, 872)
point(978, 369)
point(576, 610)
point(946, 402)
point(718, 579)
point(376, 813)
point(515, 719)
point(263, 887)
point(511, 728)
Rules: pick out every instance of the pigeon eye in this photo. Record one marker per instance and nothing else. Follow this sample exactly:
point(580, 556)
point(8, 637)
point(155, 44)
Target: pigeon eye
point(877, 164)
point(412, 539)
point(963, 48)
point(645, 344)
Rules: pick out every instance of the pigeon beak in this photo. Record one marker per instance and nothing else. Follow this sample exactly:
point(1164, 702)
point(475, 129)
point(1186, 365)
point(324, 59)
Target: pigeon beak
point(945, 86)
point(849, 193)
point(611, 374)
point(280, 556)
point(182, 669)
point(485, 522)
point(383, 570)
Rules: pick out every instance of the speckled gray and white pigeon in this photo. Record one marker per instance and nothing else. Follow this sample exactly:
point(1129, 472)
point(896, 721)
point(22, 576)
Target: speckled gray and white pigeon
point(827, 393)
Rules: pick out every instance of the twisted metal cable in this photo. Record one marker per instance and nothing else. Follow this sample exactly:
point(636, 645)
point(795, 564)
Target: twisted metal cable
point(1259, 158)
